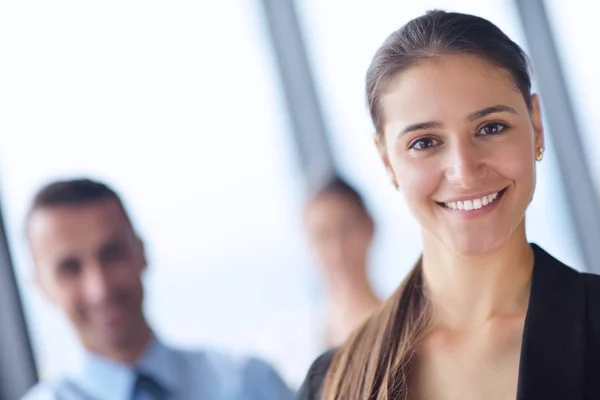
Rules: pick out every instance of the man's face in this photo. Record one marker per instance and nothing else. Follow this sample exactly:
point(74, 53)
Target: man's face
point(89, 262)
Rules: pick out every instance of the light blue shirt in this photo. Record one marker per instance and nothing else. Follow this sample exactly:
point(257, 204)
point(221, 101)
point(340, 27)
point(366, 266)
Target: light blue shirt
point(185, 375)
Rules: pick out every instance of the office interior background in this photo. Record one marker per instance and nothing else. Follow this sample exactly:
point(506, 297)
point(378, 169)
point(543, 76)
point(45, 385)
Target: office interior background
point(211, 118)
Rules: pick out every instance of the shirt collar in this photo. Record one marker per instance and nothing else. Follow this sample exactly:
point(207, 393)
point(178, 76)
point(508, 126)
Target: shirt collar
point(106, 379)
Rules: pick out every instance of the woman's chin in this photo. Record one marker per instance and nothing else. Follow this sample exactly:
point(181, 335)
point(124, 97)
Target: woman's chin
point(474, 247)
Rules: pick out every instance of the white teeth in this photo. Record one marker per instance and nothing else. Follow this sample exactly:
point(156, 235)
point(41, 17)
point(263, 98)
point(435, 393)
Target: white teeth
point(451, 205)
point(474, 204)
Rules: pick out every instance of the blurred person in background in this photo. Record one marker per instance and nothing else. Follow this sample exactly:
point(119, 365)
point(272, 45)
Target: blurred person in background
point(89, 262)
point(484, 314)
point(340, 231)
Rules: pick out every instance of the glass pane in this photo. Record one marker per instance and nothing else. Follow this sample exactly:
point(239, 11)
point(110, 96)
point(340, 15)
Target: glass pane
point(342, 37)
point(575, 33)
point(177, 106)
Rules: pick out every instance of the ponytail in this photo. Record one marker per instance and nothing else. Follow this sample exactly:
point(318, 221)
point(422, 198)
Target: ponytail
point(375, 361)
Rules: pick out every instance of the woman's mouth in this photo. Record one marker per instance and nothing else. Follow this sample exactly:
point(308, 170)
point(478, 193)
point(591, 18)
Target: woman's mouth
point(474, 203)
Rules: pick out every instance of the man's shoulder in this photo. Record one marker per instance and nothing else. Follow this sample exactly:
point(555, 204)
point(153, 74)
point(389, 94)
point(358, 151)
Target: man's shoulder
point(219, 360)
point(210, 358)
point(50, 389)
point(249, 374)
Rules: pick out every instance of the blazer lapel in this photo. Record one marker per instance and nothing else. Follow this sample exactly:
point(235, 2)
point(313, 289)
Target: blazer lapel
point(552, 363)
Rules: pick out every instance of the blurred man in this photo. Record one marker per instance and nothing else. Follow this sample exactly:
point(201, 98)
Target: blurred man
point(341, 230)
point(89, 262)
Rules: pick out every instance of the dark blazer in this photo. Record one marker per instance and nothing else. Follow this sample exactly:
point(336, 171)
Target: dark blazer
point(560, 355)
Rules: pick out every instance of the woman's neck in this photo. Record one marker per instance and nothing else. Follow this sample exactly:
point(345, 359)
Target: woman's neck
point(350, 290)
point(350, 300)
point(466, 292)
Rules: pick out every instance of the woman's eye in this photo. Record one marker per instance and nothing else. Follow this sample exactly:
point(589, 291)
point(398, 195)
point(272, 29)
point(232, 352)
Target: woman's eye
point(423, 143)
point(492, 129)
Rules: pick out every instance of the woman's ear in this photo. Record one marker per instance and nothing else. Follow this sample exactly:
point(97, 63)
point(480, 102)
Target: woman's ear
point(538, 126)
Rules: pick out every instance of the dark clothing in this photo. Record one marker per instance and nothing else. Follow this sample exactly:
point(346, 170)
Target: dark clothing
point(560, 355)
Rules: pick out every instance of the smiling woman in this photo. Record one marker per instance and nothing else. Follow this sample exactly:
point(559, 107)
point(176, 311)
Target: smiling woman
point(484, 313)
point(461, 148)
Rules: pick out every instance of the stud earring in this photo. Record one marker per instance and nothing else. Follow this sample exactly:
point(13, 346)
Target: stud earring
point(540, 156)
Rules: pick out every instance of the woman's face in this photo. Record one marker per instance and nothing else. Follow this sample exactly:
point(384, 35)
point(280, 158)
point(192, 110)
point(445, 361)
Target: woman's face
point(461, 143)
point(340, 234)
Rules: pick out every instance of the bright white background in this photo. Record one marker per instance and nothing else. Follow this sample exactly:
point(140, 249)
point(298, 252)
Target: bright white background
point(575, 31)
point(178, 106)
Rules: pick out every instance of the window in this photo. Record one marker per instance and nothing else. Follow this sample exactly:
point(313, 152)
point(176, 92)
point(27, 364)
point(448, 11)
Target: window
point(342, 37)
point(177, 106)
point(574, 32)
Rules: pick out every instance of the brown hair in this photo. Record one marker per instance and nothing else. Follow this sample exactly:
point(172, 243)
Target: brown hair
point(74, 192)
point(339, 187)
point(374, 364)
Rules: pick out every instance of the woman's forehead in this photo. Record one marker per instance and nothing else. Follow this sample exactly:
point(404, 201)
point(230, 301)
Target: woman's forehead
point(447, 86)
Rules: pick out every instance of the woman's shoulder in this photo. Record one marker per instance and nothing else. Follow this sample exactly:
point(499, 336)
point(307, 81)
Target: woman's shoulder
point(592, 291)
point(311, 388)
point(575, 290)
point(554, 268)
point(592, 281)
